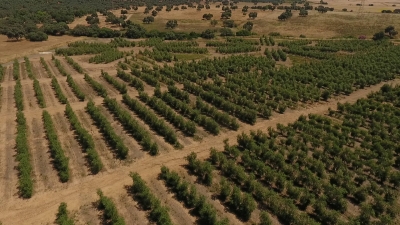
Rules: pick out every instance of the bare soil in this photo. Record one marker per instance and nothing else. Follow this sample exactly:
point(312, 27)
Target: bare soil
point(80, 191)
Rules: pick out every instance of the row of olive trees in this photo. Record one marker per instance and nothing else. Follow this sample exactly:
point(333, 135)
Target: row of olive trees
point(85, 139)
point(152, 119)
point(186, 126)
point(114, 140)
point(187, 111)
point(132, 126)
point(188, 194)
point(148, 201)
point(60, 161)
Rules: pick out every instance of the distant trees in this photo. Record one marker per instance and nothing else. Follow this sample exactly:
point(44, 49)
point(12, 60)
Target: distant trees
point(37, 36)
point(388, 32)
point(208, 16)
point(303, 12)
point(208, 34)
point(55, 28)
point(226, 32)
point(229, 23)
point(285, 15)
point(214, 22)
point(15, 32)
point(148, 19)
point(248, 26)
point(252, 15)
point(172, 24)
point(391, 31)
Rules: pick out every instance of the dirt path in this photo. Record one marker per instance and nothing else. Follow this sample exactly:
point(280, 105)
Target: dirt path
point(49, 95)
point(38, 70)
point(30, 100)
point(8, 173)
point(6, 99)
point(44, 204)
point(9, 74)
point(44, 174)
point(67, 90)
point(22, 71)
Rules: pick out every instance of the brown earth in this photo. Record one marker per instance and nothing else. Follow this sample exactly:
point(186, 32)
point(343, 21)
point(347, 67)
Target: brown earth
point(80, 192)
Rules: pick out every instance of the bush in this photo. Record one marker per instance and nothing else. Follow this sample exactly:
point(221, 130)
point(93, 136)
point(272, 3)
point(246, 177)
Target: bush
point(37, 36)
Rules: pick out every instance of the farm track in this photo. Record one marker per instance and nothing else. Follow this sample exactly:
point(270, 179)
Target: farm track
point(8, 174)
point(49, 95)
point(80, 193)
point(38, 70)
point(45, 175)
point(30, 100)
point(53, 68)
point(7, 100)
point(67, 91)
point(9, 77)
point(22, 71)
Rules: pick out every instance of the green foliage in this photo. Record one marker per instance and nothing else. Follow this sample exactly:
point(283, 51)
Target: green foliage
point(16, 72)
point(74, 64)
point(39, 93)
point(18, 96)
point(186, 126)
point(132, 126)
point(85, 140)
point(157, 124)
point(25, 182)
point(245, 114)
point(111, 215)
point(62, 215)
point(28, 67)
point(172, 24)
point(2, 72)
point(106, 56)
point(84, 48)
point(101, 91)
point(121, 87)
point(36, 36)
point(60, 67)
point(57, 89)
point(221, 117)
point(158, 213)
point(131, 80)
point(186, 110)
point(206, 212)
point(46, 67)
point(75, 88)
point(107, 130)
point(60, 161)
point(202, 169)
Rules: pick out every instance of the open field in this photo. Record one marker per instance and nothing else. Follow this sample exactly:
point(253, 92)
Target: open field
point(336, 24)
point(79, 192)
point(239, 130)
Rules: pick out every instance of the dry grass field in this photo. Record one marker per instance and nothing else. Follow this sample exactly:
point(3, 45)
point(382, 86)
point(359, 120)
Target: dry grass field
point(336, 24)
point(80, 191)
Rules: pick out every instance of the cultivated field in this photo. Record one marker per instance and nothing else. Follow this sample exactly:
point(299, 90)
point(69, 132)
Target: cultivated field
point(253, 130)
